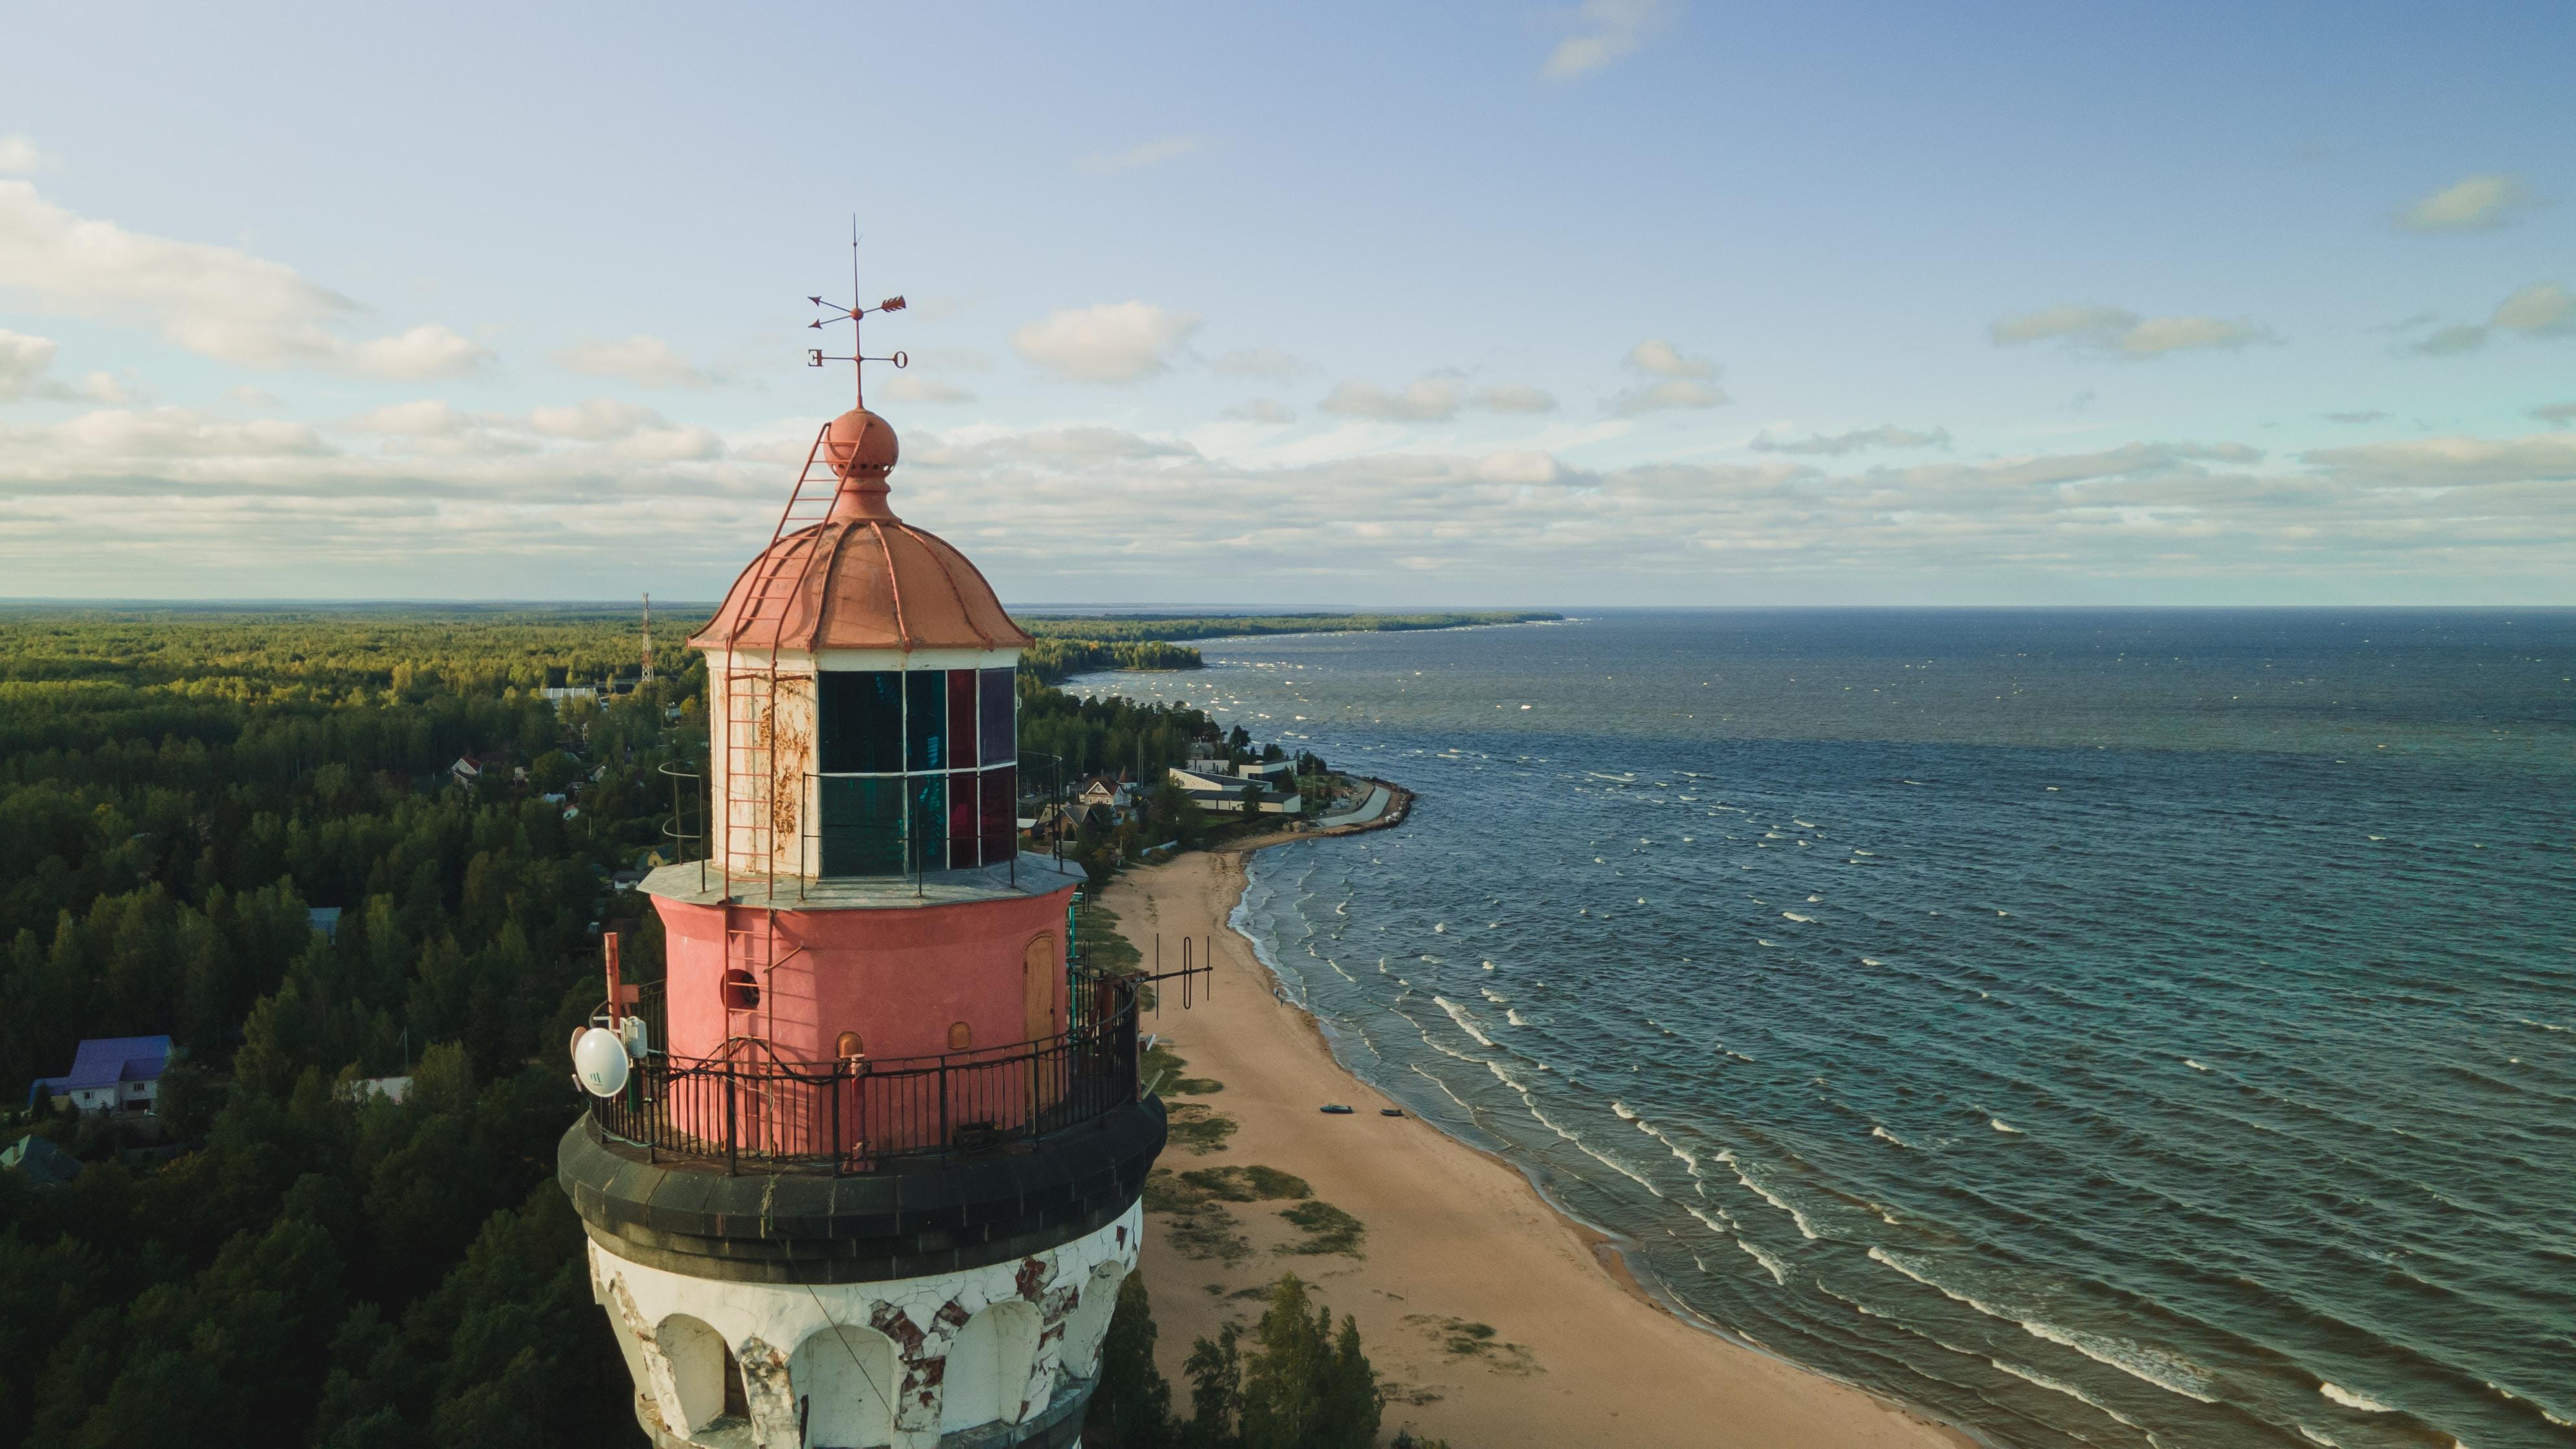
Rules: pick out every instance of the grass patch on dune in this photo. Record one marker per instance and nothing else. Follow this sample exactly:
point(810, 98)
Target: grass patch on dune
point(1168, 1070)
point(1201, 1227)
point(1328, 1229)
point(1095, 929)
point(1247, 1184)
point(1198, 1129)
point(1461, 1338)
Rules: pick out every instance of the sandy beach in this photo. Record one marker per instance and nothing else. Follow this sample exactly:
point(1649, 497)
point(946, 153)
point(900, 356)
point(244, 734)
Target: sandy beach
point(1494, 1320)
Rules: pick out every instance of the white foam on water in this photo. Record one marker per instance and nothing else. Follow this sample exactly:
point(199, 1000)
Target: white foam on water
point(2195, 1066)
point(1459, 1015)
point(1758, 941)
point(1805, 1228)
point(1489, 965)
point(1779, 1271)
point(1815, 900)
point(2069, 1390)
point(1444, 1090)
point(2543, 1025)
point(1723, 1229)
point(2174, 1375)
point(1864, 852)
point(1996, 1123)
point(2003, 913)
point(1622, 1109)
point(1440, 929)
point(2350, 1400)
point(1871, 961)
point(2313, 1437)
point(1512, 1014)
point(1794, 916)
point(1883, 1135)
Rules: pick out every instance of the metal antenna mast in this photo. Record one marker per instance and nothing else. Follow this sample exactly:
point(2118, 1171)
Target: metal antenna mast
point(648, 640)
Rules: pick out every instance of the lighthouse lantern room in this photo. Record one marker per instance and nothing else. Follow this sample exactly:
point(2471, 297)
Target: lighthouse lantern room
point(864, 1167)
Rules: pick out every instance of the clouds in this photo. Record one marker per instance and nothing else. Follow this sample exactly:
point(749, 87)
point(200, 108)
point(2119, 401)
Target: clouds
point(1670, 381)
point(642, 360)
point(585, 485)
point(1885, 435)
point(2117, 332)
point(1261, 410)
point(1115, 342)
point(1267, 362)
point(435, 427)
point(2540, 310)
point(424, 353)
point(24, 361)
point(1434, 399)
point(218, 302)
point(26, 367)
point(1425, 400)
point(20, 156)
point(1151, 153)
point(2454, 462)
point(1606, 31)
point(1514, 397)
point(2475, 203)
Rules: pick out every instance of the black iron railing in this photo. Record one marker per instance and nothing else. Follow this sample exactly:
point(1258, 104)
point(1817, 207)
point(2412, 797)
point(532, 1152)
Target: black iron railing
point(751, 1108)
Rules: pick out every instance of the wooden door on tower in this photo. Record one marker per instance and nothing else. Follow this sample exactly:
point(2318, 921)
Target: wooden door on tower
point(1041, 983)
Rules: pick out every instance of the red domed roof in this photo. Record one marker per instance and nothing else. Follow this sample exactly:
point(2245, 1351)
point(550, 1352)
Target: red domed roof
point(862, 578)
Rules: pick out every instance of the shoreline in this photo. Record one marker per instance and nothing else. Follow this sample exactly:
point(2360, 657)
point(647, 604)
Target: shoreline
point(1495, 1317)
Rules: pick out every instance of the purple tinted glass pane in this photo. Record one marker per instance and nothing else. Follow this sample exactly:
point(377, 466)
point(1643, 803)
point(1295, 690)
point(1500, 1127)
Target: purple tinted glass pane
point(1000, 705)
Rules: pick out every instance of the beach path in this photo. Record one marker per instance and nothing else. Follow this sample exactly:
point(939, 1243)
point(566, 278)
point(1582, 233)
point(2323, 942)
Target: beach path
point(1495, 1321)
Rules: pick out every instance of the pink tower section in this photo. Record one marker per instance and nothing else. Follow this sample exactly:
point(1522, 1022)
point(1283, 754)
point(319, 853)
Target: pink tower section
point(903, 980)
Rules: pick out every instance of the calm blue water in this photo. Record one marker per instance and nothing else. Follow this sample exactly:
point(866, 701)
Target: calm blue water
point(2097, 1028)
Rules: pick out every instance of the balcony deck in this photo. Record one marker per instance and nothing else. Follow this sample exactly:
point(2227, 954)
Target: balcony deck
point(699, 883)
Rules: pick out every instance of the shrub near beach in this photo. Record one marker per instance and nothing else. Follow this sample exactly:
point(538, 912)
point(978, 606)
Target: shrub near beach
point(1295, 1381)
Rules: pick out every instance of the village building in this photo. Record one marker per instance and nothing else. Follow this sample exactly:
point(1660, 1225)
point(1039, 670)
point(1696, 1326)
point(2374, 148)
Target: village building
point(1236, 794)
point(117, 1074)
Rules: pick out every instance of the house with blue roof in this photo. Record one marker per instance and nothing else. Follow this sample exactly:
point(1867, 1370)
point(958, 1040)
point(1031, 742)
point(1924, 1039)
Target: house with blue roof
point(120, 1074)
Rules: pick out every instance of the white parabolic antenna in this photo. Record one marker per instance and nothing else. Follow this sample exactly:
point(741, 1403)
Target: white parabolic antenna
point(599, 1060)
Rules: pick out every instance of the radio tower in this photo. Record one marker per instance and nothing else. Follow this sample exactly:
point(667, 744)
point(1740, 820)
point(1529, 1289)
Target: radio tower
point(647, 682)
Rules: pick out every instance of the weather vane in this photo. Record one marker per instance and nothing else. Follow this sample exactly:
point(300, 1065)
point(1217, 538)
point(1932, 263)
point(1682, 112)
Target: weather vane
point(858, 360)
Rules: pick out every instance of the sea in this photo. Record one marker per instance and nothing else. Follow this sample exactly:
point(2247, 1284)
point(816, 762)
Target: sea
point(2122, 1027)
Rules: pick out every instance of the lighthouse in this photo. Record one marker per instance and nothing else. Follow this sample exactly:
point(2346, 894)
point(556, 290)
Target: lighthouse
point(864, 1168)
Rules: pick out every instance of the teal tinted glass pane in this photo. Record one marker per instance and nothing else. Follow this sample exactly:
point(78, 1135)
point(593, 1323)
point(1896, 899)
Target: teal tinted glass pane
point(930, 821)
point(861, 723)
point(926, 711)
point(1001, 717)
point(862, 830)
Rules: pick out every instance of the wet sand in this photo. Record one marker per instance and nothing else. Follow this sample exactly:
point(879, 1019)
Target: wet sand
point(1494, 1320)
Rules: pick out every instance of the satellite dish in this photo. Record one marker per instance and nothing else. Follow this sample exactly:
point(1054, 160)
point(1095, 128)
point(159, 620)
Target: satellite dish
point(599, 1062)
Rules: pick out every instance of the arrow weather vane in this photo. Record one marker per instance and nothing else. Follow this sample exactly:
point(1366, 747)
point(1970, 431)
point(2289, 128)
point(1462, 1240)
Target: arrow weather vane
point(851, 314)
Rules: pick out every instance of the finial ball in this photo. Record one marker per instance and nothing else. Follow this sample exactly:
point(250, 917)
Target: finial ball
point(861, 445)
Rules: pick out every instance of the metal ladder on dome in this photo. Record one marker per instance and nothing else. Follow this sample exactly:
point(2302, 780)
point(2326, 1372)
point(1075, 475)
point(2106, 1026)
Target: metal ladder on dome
point(751, 694)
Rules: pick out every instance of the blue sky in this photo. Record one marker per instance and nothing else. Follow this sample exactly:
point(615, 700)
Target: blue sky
point(1617, 302)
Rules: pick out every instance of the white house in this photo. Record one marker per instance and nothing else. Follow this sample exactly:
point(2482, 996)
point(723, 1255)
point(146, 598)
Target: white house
point(110, 1074)
point(1230, 793)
